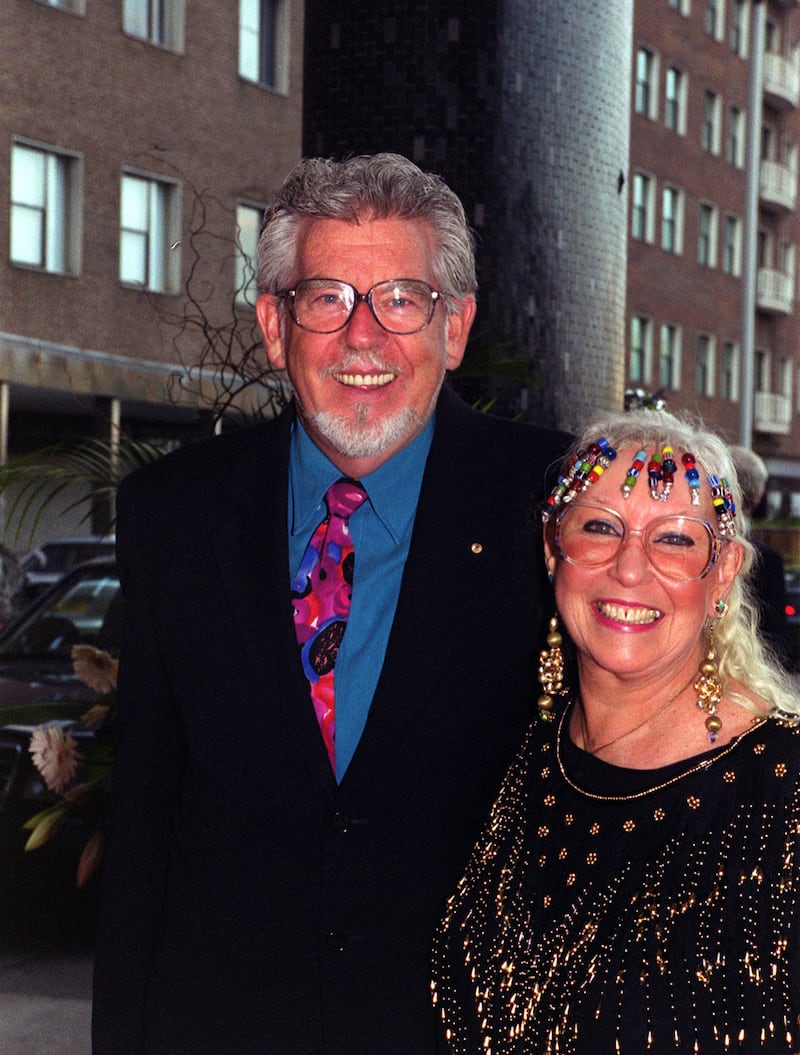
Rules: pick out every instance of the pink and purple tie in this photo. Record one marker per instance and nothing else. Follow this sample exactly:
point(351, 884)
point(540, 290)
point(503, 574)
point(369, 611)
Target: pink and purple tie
point(321, 593)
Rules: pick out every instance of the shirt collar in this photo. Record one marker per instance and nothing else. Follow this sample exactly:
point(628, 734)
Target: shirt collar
point(393, 488)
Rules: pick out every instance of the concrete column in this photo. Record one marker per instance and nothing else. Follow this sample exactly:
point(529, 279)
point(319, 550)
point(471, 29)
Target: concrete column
point(556, 221)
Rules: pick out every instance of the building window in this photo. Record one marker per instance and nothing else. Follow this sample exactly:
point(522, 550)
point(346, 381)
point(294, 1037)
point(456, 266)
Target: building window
point(762, 370)
point(156, 21)
point(734, 144)
point(707, 235)
point(710, 132)
point(45, 209)
point(263, 43)
point(674, 101)
point(642, 207)
point(704, 373)
point(671, 220)
point(786, 371)
point(641, 349)
point(739, 27)
point(248, 227)
point(684, 6)
point(149, 225)
point(715, 18)
point(669, 366)
point(731, 248)
point(645, 94)
point(76, 7)
point(730, 372)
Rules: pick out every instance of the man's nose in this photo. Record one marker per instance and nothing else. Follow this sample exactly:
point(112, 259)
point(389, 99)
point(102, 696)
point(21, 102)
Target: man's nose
point(363, 326)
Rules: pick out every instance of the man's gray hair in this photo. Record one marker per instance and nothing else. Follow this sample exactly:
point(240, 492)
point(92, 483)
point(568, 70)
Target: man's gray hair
point(367, 187)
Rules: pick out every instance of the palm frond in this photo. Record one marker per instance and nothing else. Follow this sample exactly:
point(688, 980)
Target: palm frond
point(35, 481)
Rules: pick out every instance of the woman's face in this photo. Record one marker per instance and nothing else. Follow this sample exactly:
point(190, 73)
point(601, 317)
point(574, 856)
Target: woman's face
point(628, 617)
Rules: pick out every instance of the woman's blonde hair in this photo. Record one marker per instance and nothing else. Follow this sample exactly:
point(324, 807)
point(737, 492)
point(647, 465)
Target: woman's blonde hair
point(741, 654)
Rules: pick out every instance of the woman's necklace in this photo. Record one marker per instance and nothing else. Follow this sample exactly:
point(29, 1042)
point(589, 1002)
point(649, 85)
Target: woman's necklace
point(704, 763)
point(628, 732)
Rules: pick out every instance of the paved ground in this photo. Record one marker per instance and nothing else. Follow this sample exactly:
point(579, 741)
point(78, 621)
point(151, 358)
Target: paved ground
point(45, 1002)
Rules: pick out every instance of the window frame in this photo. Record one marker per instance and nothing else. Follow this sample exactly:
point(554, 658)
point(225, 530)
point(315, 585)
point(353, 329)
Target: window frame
point(641, 326)
point(669, 355)
point(646, 83)
point(675, 92)
point(729, 372)
point(165, 22)
point(732, 248)
point(707, 238)
point(246, 267)
point(710, 133)
point(704, 372)
point(163, 268)
point(66, 227)
point(270, 69)
point(644, 209)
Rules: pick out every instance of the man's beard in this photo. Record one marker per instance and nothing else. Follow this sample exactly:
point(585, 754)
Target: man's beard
point(357, 436)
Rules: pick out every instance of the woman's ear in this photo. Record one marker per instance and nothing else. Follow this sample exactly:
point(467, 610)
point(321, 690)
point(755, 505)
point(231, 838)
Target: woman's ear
point(727, 568)
point(550, 552)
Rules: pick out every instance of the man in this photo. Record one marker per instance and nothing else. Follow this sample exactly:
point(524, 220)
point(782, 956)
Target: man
point(277, 861)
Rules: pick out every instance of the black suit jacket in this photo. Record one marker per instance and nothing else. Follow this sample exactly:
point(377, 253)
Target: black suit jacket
point(250, 904)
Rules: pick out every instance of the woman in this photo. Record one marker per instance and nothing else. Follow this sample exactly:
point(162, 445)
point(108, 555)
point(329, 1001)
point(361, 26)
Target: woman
point(636, 888)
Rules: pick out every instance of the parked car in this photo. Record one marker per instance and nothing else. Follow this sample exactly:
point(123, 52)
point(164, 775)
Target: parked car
point(46, 564)
point(38, 685)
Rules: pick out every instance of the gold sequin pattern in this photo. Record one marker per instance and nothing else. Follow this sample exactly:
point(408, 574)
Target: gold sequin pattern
point(665, 922)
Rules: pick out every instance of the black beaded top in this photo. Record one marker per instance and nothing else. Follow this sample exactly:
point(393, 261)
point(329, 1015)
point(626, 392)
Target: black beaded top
point(609, 910)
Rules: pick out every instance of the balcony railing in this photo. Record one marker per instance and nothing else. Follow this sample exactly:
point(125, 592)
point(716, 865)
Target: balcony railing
point(772, 413)
point(778, 185)
point(775, 293)
point(781, 79)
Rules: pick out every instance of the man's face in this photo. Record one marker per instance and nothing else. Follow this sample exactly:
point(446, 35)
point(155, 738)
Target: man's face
point(363, 393)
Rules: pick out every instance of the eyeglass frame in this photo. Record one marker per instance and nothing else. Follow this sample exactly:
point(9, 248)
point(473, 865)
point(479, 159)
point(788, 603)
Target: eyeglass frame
point(359, 298)
point(717, 541)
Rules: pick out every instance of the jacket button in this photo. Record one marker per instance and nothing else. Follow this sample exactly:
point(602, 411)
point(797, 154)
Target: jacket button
point(336, 940)
point(341, 823)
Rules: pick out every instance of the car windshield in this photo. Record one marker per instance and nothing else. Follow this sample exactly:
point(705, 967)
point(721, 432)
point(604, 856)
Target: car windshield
point(84, 610)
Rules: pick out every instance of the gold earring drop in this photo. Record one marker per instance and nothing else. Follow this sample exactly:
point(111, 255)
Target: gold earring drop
point(709, 689)
point(551, 671)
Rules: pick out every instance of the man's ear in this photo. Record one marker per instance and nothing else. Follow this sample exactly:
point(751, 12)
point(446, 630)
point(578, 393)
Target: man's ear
point(458, 326)
point(269, 322)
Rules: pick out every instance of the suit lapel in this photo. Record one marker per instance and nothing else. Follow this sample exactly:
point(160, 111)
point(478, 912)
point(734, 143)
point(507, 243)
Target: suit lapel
point(441, 563)
point(250, 547)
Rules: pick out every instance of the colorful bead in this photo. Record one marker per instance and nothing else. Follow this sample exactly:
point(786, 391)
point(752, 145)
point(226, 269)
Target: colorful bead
point(633, 473)
point(655, 476)
point(586, 468)
point(692, 477)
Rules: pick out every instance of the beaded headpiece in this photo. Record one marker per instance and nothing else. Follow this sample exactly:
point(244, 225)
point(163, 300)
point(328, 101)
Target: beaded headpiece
point(587, 466)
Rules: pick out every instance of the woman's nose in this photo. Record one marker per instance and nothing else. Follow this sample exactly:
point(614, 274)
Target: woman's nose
point(631, 562)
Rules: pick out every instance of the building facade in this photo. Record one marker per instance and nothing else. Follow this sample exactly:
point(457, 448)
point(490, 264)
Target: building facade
point(139, 143)
point(523, 107)
point(713, 320)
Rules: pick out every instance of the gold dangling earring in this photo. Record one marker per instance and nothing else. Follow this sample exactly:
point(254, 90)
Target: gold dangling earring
point(708, 685)
point(551, 671)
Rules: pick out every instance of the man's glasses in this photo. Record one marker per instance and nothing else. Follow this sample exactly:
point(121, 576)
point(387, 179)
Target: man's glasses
point(325, 305)
point(682, 548)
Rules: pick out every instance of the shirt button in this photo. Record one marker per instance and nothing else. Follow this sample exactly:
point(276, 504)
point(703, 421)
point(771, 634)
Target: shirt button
point(336, 940)
point(341, 823)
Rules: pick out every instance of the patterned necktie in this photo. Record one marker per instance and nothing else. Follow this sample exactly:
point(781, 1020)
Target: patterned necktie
point(321, 593)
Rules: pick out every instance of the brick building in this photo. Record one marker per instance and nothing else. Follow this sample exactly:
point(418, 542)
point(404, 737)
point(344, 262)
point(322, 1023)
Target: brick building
point(714, 229)
point(127, 127)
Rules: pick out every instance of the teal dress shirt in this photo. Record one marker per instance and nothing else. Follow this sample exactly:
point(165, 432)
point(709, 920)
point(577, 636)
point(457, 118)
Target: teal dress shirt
point(381, 533)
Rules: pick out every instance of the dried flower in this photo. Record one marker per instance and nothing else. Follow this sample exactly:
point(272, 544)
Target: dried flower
point(55, 755)
point(95, 668)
